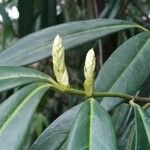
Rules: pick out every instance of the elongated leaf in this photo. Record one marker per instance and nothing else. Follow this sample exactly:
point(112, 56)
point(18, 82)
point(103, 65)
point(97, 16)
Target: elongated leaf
point(126, 70)
point(142, 131)
point(55, 135)
point(120, 117)
point(92, 129)
point(14, 76)
point(16, 114)
point(125, 137)
point(37, 46)
point(131, 139)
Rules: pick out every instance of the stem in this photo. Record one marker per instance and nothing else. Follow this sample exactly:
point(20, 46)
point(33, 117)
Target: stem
point(147, 105)
point(126, 97)
point(142, 28)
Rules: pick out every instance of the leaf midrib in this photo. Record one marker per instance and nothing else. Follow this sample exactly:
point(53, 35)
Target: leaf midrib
point(90, 125)
point(24, 76)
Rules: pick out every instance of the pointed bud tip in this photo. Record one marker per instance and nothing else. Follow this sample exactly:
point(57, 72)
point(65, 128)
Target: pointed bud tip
point(90, 59)
point(57, 39)
point(91, 53)
point(57, 45)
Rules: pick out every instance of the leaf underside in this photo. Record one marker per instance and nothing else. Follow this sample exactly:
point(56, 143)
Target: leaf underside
point(37, 46)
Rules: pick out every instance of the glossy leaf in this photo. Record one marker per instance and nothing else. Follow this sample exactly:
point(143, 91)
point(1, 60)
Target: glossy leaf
point(92, 129)
point(16, 114)
point(131, 139)
point(37, 46)
point(55, 135)
point(91, 122)
point(142, 131)
point(126, 70)
point(14, 76)
point(128, 132)
point(120, 117)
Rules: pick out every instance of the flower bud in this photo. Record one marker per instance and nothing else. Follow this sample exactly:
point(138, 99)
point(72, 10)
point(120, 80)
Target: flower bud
point(89, 69)
point(59, 66)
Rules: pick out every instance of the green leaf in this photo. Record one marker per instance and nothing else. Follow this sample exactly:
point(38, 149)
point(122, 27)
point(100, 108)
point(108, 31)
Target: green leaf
point(14, 76)
point(121, 116)
point(55, 135)
point(142, 131)
point(126, 70)
point(37, 46)
point(131, 139)
point(92, 129)
point(125, 140)
point(16, 114)
point(91, 126)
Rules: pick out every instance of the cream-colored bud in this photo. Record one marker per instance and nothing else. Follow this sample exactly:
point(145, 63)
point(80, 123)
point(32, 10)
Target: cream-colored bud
point(89, 71)
point(59, 66)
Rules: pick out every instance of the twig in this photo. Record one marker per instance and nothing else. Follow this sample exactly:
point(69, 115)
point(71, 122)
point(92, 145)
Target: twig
point(126, 97)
